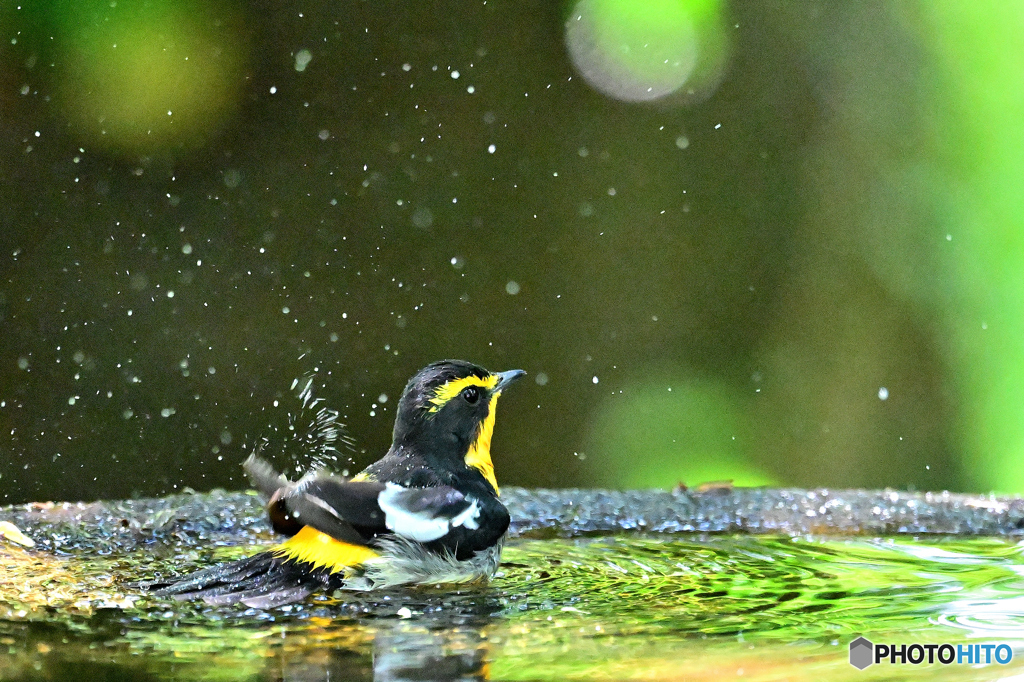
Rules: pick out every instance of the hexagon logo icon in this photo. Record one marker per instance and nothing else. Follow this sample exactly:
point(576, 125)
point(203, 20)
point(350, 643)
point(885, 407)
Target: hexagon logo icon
point(862, 653)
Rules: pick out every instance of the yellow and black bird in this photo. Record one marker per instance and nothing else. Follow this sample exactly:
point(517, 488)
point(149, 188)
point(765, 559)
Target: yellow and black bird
point(426, 513)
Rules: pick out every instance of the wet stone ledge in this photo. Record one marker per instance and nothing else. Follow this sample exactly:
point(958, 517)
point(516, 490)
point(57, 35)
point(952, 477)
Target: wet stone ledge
point(765, 511)
point(238, 517)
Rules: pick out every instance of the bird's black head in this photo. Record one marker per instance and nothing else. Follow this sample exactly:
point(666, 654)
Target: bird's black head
point(447, 414)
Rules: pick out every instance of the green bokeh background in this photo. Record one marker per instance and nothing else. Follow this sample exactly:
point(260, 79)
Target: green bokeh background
point(803, 267)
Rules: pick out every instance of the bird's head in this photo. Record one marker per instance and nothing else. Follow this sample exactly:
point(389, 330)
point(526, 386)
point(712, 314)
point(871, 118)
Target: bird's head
point(447, 413)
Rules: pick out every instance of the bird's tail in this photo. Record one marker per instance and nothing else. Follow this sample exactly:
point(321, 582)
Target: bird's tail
point(264, 580)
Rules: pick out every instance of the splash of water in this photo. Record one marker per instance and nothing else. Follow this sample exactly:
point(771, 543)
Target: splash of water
point(314, 435)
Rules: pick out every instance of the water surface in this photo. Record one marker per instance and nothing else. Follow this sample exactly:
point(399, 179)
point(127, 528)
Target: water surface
point(627, 606)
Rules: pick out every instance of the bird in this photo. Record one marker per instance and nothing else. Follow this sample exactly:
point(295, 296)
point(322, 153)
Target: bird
point(427, 513)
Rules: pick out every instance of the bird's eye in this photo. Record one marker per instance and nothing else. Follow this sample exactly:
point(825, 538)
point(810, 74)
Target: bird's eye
point(471, 394)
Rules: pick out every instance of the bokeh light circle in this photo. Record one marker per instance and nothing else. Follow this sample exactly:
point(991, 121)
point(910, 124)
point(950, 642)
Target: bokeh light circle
point(634, 51)
point(147, 78)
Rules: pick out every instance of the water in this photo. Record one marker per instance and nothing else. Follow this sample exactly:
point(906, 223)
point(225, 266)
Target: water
point(610, 607)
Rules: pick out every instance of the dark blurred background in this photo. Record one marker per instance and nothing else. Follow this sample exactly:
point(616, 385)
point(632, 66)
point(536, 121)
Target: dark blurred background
point(775, 243)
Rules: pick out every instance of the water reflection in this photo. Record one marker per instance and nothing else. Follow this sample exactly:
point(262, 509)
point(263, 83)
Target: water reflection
point(1001, 617)
point(435, 643)
point(412, 651)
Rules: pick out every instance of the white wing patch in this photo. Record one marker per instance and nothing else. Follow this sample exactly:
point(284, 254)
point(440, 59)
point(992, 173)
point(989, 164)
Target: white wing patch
point(422, 526)
point(468, 518)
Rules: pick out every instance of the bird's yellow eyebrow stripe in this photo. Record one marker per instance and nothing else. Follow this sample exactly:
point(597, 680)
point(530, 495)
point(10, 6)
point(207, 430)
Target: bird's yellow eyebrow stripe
point(445, 392)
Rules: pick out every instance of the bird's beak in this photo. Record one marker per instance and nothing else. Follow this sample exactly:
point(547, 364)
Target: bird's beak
point(506, 378)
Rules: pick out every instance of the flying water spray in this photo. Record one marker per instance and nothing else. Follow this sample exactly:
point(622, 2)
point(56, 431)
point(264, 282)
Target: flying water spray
point(311, 437)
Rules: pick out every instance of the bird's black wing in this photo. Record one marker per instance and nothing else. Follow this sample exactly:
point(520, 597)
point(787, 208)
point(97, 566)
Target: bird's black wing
point(358, 511)
point(345, 510)
point(370, 508)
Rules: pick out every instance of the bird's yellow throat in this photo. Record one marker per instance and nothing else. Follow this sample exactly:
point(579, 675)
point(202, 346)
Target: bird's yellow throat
point(479, 454)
